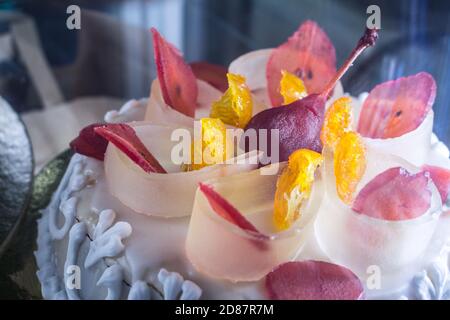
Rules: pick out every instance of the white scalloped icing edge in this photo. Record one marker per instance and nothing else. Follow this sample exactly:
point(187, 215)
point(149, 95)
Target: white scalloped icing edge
point(105, 242)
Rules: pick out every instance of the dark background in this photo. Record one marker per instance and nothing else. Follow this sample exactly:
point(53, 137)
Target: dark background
point(112, 53)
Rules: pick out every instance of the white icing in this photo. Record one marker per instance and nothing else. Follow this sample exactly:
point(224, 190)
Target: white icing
point(132, 110)
point(140, 291)
point(102, 246)
point(190, 291)
point(107, 239)
point(112, 279)
point(433, 282)
point(76, 236)
point(175, 287)
point(63, 202)
point(171, 282)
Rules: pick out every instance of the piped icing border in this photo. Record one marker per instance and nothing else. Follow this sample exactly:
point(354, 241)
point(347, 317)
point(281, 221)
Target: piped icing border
point(106, 242)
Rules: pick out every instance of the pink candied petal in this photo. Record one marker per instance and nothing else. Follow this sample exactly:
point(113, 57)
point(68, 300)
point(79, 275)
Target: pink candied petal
point(125, 139)
point(309, 54)
point(227, 211)
point(177, 81)
point(89, 143)
point(394, 195)
point(214, 74)
point(313, 280)
point(441, 178)
point(396, 107)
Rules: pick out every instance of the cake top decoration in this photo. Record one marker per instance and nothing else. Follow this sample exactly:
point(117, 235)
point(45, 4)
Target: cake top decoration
point(313, 280)
point(177, 81)
point(292, 88)
point(396, 107)
point(89, 143)
point(213, 146)
point(395, 194)
point(125, 139)
point(235, 107)
point(441, 178)
point(299, 124)
point(214, 74)
point(309, 54)
point(227, 211)
point(294, 187)
point(349, 165)
point(337, 122)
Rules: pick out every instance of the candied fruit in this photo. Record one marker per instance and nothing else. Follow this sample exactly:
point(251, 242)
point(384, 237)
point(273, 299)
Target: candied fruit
point(292, 87)
point(338, 121)
point(294, 186)
point(349, 165)
point(212, 148)
point(235, 106)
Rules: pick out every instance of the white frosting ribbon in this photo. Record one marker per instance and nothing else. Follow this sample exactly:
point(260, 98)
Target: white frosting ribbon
point(164, 195)
point(158, 112)
point(230, 252)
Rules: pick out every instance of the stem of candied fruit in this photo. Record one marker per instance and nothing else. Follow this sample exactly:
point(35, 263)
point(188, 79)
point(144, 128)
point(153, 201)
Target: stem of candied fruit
point(368, 39)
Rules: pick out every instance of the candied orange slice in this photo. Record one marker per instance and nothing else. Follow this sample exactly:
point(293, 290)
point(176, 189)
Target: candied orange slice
point(349, 165)
point(212, 148)
point(338, 121)
point(294, 186)
point(292, 87)
point(235, 106)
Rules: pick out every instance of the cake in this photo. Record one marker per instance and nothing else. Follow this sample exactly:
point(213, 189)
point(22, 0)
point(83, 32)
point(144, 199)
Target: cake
point(352, 206)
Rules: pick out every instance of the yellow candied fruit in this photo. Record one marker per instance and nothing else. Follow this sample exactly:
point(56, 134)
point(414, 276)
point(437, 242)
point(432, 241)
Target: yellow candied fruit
point(212, 148)
point(338, 121)
point(292, 87)
point(349, 165)
point(294, 186)
point(236, 105)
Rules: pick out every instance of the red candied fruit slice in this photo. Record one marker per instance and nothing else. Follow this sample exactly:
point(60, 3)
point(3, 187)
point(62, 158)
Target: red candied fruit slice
point(395, 195)
point(227, 211)
point(397, 107)
point(441, 178)
point(214, 74)
point(177, 81)
point(309, 54)
point(89, 143)
point(125, 139)
point(313, 280)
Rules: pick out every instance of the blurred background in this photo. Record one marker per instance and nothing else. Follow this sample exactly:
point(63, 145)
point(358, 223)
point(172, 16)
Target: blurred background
point(59, 80)
point(49, 72)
